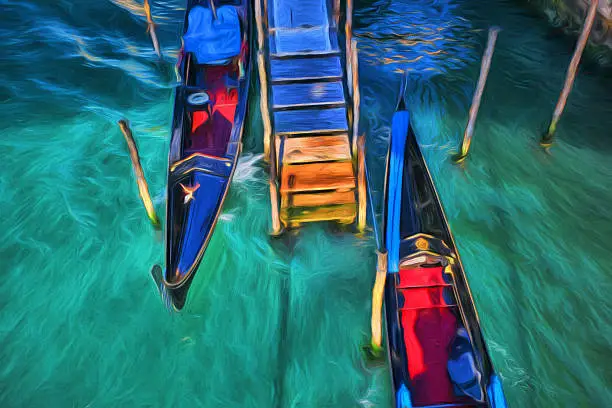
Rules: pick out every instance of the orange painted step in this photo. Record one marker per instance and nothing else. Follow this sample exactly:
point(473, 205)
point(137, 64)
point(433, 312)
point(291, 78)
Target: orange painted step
point(344, 213)
point(316, 149)
point(318, 199)
point(317, 176)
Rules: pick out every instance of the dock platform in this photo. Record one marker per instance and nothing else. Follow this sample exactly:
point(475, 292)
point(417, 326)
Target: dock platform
point(309, 106)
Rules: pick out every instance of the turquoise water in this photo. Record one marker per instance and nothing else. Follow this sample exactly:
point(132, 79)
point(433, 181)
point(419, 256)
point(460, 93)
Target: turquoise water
point(280, 322)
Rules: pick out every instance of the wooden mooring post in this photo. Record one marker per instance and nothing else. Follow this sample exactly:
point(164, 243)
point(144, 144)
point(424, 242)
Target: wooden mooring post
point(361, 185)
point(482, 80)
point(151, 28)
point(269, 147)
point(143, 187)
point(337, 12)
point(348, 27)
point(547, 138)
point(356, 95)
point(263, 83)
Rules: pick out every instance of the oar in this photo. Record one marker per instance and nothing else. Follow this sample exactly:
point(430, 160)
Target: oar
point(151, 28)
point(143, 188)
point(374, 350)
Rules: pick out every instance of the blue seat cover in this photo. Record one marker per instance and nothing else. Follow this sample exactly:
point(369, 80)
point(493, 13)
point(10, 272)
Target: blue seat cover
point(462, 367)
point(210, 40)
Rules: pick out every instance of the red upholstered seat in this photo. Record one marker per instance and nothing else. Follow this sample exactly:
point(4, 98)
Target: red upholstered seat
point(211, 129)
point(429, 325)
point(421, 276)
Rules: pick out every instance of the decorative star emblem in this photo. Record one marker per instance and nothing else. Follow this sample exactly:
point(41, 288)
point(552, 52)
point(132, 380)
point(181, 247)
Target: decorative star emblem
point(189, 192)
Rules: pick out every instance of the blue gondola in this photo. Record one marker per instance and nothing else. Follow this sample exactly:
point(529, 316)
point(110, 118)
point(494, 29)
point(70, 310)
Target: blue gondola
point(209, 114)
point(437, 353)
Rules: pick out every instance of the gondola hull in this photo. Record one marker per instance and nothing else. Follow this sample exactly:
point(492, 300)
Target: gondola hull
point(437, 353)
point(209, 113)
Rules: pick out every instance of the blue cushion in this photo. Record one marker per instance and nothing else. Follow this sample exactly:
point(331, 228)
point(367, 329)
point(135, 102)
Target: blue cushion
point(462, 367)
point(213, 41)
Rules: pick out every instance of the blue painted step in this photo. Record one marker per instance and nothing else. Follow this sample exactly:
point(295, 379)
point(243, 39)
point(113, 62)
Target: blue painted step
point(305, 69)
point(318, 93)
point(320, 39)
point(310, 121)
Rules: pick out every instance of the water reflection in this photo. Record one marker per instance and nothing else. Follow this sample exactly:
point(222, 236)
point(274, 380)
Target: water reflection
point(425, 37)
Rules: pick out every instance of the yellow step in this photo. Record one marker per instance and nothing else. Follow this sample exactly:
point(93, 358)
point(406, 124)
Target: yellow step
point(318, 199)
point(344, 213)
point(317, 176)
point(316, 149)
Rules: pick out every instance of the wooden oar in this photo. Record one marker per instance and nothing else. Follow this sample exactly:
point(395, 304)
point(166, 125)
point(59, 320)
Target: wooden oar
point(547, 138)
point(143, 188)
point(151, 28)
point(374, 350)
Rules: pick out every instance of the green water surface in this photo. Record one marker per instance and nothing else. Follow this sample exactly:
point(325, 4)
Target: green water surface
point(280, 322)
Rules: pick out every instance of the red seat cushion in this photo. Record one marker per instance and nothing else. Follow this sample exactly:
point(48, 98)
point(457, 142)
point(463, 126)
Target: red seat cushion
point(428, 333)
point(421, 277)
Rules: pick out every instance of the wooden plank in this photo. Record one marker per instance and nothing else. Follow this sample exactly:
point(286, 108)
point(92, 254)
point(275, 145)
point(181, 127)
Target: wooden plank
point(310, 121)
point(299, 40)
point(298, 13)
point(309, 69)
point(344, 213)
point(321, 148)
point(304, 54)
point(318, 93)
point(318, 199)
point(317, 176)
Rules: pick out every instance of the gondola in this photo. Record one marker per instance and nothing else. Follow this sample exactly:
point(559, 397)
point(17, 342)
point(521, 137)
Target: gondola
point(209, 114)
point(436, 350)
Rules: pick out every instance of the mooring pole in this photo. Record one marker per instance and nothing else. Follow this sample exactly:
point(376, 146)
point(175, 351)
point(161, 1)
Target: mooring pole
point(356, 95)
point(482, 80)
point(337, 11)
point(143, 188)
point(348, 26)
point(271, 153)
point(547, 138)
point(151, 28)
point(361, 184)
point(263, 84)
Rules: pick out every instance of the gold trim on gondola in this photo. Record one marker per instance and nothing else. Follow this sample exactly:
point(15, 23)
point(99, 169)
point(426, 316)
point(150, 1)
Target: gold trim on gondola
point(191, 156)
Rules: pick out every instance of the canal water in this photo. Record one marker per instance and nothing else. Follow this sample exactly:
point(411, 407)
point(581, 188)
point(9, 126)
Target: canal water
point(81, 324)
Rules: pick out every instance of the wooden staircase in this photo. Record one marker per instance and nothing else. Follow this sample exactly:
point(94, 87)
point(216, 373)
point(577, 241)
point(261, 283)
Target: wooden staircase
point(309, 114)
